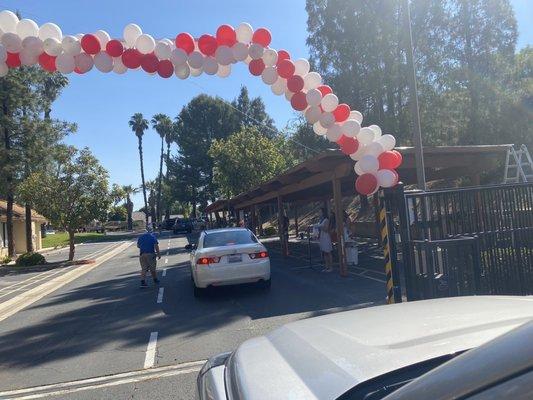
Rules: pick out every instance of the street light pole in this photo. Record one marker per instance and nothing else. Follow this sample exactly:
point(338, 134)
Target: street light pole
point(417, 133)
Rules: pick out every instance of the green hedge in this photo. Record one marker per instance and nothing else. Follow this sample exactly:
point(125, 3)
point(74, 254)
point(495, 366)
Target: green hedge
point(30, 259)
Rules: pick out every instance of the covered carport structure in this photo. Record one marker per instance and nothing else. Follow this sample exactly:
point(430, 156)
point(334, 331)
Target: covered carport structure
point(330, 175)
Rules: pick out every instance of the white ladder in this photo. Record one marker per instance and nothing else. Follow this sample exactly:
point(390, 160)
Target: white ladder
point(518, 165)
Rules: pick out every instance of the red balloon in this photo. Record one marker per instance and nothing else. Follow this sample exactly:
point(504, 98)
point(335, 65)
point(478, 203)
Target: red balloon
point(256, 67)
point(366, 184)
point(299, 101)
point(262, 36)
point(185, 41)
point(114, 48)
point(90, 44)
point(389, 160)
point(397, 176)
point(295, 83)
point(283, 55)
point(399, 156)
point(131, 58)
point(325, 89)
point(348, 145)
point(149, 63)
point(13, 60)
point(342, 113)
point(207, 44)
point(286, 69)
point(226, 35)
point(47, 62)
point(165, 69)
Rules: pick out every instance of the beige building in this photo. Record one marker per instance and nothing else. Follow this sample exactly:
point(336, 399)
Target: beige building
point(19, 228)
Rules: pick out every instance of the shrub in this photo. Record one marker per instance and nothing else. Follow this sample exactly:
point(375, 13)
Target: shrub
point(270, 231)
point(30, 259)
point(5, 259)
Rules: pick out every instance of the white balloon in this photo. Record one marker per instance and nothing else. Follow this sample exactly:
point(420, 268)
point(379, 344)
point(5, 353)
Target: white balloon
point(145, 43)
point(196, 61)
point(50, 30)
point(65, 63)
point(240, 51)
point(224, 71)
point(359, 153)
point(279, 87)
point(71, 45)
point(162, 50)
point(103, 62)
point(327, 119)
point(103, 38)
point(8, 21)
point(248, 60)
point(319, 129)
point(374, 149)
point(256, 51)
point(270, 57)
point(28, 57)
point(386, 178)
point(210, 66)
point(365, 135)
point(377, 131)
point(313, 97)
point(119, 67)
point(84, 62)
point(12, 42)
point(334, 133)
point(369, 164)
point(179, 57)
point(182, 71)
point(170, 43)
point(387, 141)
point(27, 27)
point(357, 168)
point(288, 95)
point(312, 80)
point(33, 44)
point(351, 128)
point(52, 46)
point(131, 33)
point(4, 69)
point(329, 102)
point(196, 71)
point(224, 55)
point(79, 36)
point(357, 116)
point(3, 54)
point(244, 33)
point(269, 75)
point(312, 114)
point(301, 67)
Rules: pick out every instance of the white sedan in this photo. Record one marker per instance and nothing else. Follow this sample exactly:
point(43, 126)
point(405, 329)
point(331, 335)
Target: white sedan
point(228, 257)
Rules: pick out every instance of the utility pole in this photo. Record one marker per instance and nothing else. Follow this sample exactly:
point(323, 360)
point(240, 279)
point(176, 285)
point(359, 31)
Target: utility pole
point(417, 133)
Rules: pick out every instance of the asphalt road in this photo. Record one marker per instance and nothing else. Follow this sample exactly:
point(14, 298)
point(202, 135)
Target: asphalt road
point(102, 337)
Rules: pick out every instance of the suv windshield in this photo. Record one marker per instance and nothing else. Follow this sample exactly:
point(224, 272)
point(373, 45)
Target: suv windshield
point(229, 238)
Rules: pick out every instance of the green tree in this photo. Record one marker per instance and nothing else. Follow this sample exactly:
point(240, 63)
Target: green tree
point(123, 193)
point(138, 125)
point(246, 159)
point(117, 213)
point(73, 195)
point(303, 142)
point(252, 112)
point(164, 127)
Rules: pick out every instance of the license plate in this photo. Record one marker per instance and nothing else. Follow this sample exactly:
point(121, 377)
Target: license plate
point(235, 258)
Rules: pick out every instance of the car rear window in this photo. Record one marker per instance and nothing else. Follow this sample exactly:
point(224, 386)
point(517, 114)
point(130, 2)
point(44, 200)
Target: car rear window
point(229, 238)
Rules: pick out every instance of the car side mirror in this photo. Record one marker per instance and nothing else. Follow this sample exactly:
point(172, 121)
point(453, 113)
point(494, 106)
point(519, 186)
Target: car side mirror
point(190, 247)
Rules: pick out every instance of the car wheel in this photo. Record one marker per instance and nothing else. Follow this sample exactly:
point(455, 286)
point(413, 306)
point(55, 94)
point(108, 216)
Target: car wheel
point(265, 284)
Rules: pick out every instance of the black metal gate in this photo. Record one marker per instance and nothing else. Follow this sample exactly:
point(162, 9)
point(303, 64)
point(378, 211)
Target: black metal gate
point(465, 241)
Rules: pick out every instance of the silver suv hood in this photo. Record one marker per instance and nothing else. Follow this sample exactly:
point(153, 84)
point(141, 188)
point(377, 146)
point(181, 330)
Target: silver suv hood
point(323, 357)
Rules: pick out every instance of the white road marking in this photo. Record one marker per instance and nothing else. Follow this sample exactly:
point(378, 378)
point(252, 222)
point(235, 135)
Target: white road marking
point(165, 272)
point(60, 389)
point(367, 277)
point(160, 295)
point(149, 359)
point(166, 260)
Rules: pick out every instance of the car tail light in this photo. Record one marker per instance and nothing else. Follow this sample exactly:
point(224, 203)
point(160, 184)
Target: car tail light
point(208, 260)
point(261, 254)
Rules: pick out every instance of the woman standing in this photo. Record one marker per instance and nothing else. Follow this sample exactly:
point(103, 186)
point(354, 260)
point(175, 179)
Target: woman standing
point(325, 240)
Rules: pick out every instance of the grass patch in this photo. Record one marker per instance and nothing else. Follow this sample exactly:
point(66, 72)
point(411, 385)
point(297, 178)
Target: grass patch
point(60, 239)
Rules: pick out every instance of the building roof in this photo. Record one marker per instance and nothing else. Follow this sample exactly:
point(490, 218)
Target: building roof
point(19, 213)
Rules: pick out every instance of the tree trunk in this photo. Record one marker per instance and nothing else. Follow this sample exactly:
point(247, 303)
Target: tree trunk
point(159, 182)
point(142, 180)
point(167, 207)
point(71, 245)
point(129, 209)
point(9, 188)
point(28, 222)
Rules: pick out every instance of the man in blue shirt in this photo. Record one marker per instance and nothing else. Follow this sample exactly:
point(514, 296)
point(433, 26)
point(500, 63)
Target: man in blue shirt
point(149, 250)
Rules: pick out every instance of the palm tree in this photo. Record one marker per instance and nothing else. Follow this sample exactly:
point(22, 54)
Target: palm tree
point(129, 190)
point(138, 125)
point(163, 126)
point(169, 138)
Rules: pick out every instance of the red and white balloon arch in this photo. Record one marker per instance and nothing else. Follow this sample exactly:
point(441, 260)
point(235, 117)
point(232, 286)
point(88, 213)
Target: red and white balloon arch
point(23, 42)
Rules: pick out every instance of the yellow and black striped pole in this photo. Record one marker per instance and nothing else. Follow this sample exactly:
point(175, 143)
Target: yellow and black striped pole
point(384, 231)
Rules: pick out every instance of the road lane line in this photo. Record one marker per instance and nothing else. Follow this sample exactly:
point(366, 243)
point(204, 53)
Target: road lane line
point(160, 295)
point(166, 260)
point(64, 388)
point(149, 359)
point(165, 272)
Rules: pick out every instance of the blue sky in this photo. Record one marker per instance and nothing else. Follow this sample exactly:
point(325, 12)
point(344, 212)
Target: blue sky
point(102, 104)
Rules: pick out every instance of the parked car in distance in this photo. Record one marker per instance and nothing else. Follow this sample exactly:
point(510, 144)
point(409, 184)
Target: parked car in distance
point(228, 257)
point(168, 224)
point(182, 225)
point(439, 349)
point(50, 232)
